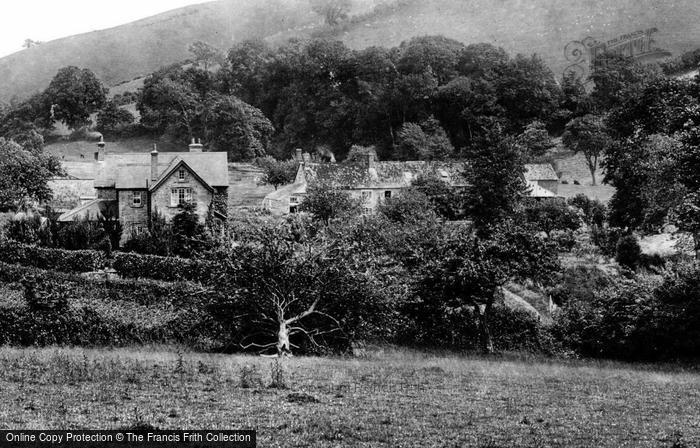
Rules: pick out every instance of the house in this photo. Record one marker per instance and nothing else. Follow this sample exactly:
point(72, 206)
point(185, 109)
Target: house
point(368, 179)
point(134, 187)
point(373, 181)
point(542, 180)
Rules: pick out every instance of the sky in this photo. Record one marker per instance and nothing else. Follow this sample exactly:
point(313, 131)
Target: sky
point(44, 20)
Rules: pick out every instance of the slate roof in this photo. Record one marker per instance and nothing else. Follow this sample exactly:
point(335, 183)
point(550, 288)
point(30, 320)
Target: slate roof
point(133, 171)
point(540, 171)
point(97, 208)
point(383, 174)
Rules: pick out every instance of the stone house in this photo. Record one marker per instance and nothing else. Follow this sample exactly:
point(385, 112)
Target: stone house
point(134, 187)
point(373, 181)
point(368, 179)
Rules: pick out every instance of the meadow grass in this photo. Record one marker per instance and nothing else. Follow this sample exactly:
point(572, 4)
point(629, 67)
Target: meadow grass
point(391, 397)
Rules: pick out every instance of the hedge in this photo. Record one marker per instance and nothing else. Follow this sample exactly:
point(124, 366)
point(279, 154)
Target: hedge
point(53, 259)
point(128, 265)
point(155, 267)
point(120, 312)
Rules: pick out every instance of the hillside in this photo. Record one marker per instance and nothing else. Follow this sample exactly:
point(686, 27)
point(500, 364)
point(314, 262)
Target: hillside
point(120, 54)
point(129, 51)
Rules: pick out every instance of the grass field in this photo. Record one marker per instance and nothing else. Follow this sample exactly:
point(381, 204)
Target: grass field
point(388, 399)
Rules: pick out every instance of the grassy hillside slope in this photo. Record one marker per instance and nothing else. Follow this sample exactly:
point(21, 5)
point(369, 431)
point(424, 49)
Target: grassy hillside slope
point(122, 53)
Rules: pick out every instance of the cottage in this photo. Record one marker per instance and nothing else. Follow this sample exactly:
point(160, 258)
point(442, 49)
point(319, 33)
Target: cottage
point(373, 181)
point(368, 179)
point(134, 187)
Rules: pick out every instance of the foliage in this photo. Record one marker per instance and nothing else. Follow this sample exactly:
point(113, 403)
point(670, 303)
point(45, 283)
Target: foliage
point(687, 217)
point(327, 203)
point(587, 135)
point(409, 206)
point(155, 267)
point(332, 11)
point(606, 239)
point(469, 272)
point(427, 141)
point(498, 186)
point(535, 140)
point(238, 128)
point(29, 228)
point(285, 291)
point(446, 200)
point(628, 251)
point(594, 211)
point(24, 175)
point(54, 259)
point(74, 94)
point(205, 55)
point(190, 237)
point(112, 118)
point(550, 215)
point(277, 172)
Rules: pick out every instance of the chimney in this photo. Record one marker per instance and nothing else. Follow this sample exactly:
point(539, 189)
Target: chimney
point(100, 154)
point(297, 155)
point(154, 163)
point(371, 158)
point(196, 147)
point(306, 158)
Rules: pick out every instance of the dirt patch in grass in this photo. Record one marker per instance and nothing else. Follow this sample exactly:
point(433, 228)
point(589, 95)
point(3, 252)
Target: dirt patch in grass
point(396, 399)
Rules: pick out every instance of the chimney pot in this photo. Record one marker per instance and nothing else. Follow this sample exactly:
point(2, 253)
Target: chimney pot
point(154, 164)
point(100, 155)
point(298, 156)
point(196, 147)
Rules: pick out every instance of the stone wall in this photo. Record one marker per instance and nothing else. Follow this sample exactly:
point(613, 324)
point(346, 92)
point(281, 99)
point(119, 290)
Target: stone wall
point(132, 218)
point(160, 199)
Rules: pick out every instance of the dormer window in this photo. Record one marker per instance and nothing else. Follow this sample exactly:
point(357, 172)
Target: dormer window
point(181, 175)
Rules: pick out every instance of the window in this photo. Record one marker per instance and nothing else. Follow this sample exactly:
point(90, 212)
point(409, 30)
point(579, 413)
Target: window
point(180, 196)
point(366, 195)
point(293, 200)
point(367, 210)
point(387, 194)
point(137, 199)
point(181, 175)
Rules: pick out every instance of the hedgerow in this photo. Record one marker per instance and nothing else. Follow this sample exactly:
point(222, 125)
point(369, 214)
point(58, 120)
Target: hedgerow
point(49, 258)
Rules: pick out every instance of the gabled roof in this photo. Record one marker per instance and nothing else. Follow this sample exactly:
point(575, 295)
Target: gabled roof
point(540, 171)
point(536, 191)
point(95, 209)
point(283, 193)
point(176, 164)
point(383, 174)
point(133, 170)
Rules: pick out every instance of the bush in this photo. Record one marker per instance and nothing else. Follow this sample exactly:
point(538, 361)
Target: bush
point(628, 252)
point(606, 239)
point(165, 268)
point(54, 259)
point(68, 309)
point(593, 210)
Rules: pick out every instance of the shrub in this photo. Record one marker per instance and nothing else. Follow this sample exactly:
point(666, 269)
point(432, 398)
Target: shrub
point(593, 210)
point(628, 252)
point(606, 239)
point(165, 268)
point(55, 259)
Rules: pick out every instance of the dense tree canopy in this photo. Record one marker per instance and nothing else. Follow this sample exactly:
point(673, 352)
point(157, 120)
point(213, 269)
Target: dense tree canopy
point(73, 95)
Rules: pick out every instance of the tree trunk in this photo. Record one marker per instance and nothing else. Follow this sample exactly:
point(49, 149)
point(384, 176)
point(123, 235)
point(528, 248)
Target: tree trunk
point(283, 340)
point(483, 314)
point(592, 165)
point(696, 240)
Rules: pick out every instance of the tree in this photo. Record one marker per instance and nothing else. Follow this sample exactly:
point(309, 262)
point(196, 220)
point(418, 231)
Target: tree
point(74, 94)
point(615, 77)
point(24, 175)
point(238, 128)
point(551, 215)
point(427, 141)
point(205, 55)
point(333, 11)
point(112, 118)
point(535, 140)
point(287, 291)
point(190, 237)
point(444, 199)
point(495, 173)
point(589, 136)
point(326, 202)
point(468, 272)
point(687, 217)
point(277, 172)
